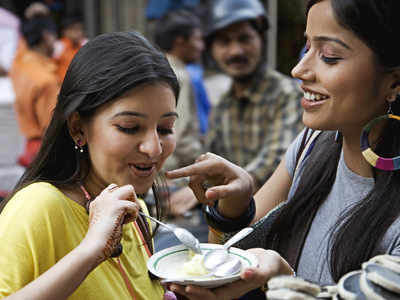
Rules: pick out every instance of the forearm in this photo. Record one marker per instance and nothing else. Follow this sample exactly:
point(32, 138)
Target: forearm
point(62, 279)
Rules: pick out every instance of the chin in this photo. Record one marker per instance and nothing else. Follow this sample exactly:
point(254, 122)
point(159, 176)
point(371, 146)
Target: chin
point(142, 188)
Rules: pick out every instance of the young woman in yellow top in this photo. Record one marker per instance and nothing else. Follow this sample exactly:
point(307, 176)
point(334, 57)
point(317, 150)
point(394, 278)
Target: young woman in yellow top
point(110, 134)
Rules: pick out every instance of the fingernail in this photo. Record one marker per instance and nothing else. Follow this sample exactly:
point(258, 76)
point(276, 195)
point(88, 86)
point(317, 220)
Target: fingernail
point(249, 272)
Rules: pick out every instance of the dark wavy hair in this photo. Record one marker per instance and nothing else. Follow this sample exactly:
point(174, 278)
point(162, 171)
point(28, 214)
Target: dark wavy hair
point(102, 70)
point(357, 233)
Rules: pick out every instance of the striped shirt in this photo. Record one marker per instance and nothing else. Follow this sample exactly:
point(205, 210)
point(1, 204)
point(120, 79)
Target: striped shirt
point(255, 130)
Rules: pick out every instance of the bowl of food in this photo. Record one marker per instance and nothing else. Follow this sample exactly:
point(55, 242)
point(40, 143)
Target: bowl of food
point(180, 265)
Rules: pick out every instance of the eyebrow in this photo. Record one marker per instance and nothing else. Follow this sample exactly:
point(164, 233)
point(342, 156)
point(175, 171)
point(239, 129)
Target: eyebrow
point(330, 39)
point(140, 115)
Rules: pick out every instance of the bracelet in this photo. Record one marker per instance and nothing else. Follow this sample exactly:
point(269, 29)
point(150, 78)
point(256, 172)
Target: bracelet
point(223, 224)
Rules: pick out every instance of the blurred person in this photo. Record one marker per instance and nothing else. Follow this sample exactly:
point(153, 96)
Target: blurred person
point(35, 83)
point(179, 34)
point(255, 121)
point(259, 116)
point(156, 9)
point(72, 39)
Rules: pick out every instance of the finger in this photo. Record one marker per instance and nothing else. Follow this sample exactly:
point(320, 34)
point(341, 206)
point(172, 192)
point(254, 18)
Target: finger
point(198, 168)
point(130, 211)
point(125, 192)
point(198, 191)
point(196, 292)
point(110, 188)
point(202, 157)
point(223, 191)
point(192, 293)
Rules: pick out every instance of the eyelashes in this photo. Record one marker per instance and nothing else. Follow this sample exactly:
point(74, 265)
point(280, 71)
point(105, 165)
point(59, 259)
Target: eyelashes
point(133, 130)
point(330, 60)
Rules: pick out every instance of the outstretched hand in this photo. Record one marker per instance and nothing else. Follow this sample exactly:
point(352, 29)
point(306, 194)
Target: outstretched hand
point(215, 178)
point(270, 264)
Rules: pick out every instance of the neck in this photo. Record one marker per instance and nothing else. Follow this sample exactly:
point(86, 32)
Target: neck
point(240, 84)
point(93, 187)
point(239, 87)
point(177, 54)
point(353, 157)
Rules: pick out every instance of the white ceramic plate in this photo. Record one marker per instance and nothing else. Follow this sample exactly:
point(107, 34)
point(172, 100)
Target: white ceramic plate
point(168, 263)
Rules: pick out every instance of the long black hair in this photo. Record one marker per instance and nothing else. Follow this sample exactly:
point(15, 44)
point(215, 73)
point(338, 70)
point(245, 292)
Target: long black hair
point(358, 232)
point(102, 70)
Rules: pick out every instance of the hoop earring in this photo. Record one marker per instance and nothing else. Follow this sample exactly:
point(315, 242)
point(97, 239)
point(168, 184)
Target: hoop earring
point(386, 164)
point(78, 146)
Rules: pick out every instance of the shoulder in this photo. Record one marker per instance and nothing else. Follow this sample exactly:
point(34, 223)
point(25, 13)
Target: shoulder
point(35, 200)
point(38, 69)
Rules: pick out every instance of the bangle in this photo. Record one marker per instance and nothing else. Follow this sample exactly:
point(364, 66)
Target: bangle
point(223, 224)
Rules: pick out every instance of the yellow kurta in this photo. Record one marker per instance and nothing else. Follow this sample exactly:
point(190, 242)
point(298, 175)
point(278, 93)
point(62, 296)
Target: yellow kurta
point(40, 225)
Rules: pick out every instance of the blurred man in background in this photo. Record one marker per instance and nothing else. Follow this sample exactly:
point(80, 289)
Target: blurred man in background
point(255, 121)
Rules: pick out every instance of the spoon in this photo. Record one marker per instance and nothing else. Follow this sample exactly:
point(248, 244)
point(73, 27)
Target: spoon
point(230, 267)
point(183, 235)
point(216, 257)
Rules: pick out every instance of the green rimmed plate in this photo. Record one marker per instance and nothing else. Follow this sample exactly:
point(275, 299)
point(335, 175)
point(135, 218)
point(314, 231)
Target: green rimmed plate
point(167, 264)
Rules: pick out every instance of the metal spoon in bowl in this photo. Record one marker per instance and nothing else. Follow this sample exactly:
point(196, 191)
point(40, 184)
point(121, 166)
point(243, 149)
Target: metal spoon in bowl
point(230, 267)
point(183, 235)
point(216, 257)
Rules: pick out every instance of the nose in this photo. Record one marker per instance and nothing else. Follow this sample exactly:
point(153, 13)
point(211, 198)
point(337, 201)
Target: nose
point(303, 70)
point(151, 144)
point(235, 49)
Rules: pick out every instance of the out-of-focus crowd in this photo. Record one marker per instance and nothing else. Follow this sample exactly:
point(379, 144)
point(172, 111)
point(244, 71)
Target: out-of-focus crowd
point(33, 61)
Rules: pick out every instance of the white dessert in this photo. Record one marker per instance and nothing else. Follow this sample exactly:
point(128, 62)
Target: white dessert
point(195, 266)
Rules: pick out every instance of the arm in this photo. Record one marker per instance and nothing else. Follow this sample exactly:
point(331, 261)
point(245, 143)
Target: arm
point(273, 192)
point(61, 280)
point(108, 212)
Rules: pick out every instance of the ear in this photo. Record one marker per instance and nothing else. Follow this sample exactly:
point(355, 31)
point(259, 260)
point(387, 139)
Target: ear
point(394, 90)
point(75, 129)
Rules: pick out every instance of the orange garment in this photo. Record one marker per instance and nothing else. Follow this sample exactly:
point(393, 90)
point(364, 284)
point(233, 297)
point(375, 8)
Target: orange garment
point(36, 88)
point(65, 52)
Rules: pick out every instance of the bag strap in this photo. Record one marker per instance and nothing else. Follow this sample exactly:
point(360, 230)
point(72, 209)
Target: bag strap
point(293, 246)
point(302, 145)
point(306, 146)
